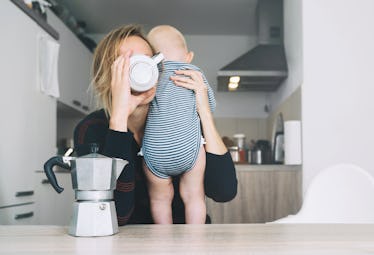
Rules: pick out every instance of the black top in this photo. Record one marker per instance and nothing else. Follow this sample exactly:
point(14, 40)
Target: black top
point(131, 194)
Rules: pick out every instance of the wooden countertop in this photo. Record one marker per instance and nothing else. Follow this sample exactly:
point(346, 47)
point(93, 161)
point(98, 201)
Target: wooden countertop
point(195, 239)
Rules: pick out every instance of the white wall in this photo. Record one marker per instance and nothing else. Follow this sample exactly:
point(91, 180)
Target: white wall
point(293, 47)
point(212, 52)
point(338, 87)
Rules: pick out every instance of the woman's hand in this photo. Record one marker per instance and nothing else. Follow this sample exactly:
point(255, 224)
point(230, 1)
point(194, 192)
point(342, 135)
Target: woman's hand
point(123, 102)
point(194, 81)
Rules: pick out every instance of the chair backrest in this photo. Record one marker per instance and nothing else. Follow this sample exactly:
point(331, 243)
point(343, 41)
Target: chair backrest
point(339, 194)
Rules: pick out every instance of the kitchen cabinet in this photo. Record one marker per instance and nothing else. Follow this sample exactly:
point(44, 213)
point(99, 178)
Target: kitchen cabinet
point(265, 193)
point(36, 17)
point(74, 65)
point(52, 208)
point(28, 127)
point(18, 215)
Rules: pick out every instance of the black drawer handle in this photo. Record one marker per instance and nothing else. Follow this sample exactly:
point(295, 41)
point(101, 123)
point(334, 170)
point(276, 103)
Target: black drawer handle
point(85, 107)
point(23, 215)
point(45, 181)
point(24, 193)
point(76, 103)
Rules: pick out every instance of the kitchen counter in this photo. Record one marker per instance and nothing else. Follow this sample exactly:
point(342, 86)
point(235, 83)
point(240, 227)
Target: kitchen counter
point(252, 167)
point(195, 239)
point(265, 193)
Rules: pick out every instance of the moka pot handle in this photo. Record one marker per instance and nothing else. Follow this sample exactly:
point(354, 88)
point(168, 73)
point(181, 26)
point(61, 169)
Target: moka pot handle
point(48, 169)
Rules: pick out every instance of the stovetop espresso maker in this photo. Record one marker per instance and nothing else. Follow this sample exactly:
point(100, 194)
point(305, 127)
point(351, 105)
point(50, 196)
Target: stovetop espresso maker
point(94, 179)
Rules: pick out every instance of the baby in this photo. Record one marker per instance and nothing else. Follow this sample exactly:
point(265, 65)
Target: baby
point(173, 143)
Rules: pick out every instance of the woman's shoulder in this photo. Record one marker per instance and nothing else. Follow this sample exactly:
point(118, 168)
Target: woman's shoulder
point(96, 117)
point(94, 123)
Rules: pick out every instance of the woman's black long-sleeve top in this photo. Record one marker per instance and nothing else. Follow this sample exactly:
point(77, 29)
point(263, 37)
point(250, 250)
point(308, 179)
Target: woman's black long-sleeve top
point(131, 194)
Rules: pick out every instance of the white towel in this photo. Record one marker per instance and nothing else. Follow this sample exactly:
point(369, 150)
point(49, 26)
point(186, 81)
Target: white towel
point(48, 66)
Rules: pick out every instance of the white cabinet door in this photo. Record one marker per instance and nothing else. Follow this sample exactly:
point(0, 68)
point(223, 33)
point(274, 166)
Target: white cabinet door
point(28, 126)
point(18, 215)
point(74, 67)
point(53, 208)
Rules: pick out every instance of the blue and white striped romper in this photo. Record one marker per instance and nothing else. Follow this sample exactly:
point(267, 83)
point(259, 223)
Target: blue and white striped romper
point(172, 136)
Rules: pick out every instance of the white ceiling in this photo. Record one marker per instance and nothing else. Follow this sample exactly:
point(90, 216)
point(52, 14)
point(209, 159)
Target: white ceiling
point(198, 17)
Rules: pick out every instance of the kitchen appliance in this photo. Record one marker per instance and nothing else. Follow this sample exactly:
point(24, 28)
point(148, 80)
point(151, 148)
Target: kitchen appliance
point(264, 67)
point(234, 151)
point(278, 140)
point(240, 143)
point(278, 151)
point(261, 153)
point(240, 140)
point(144, 71)
point(94, 178)
point(292, 142)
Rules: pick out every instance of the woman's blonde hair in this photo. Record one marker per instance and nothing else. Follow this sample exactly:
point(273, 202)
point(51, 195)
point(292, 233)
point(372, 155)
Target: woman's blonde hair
point(106, 52)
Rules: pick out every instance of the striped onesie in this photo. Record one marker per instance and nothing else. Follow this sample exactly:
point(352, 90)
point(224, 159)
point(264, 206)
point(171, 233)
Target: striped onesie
point(172, 136)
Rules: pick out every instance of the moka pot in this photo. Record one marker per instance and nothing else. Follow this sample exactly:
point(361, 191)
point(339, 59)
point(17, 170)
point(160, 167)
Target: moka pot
point(93, 179)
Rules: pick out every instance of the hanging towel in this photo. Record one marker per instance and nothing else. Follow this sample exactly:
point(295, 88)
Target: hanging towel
point(48, 66)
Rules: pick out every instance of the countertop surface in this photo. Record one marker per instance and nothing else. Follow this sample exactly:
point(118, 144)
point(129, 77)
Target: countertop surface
point(195, 239)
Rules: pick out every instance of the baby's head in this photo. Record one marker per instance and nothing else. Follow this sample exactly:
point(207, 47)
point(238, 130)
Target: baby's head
point(170, 42)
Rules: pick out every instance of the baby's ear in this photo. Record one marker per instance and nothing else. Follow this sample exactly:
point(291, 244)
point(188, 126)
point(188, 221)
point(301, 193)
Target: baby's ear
point(190, 55)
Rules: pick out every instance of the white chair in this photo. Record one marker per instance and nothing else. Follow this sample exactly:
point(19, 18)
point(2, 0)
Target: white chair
point(339, 194)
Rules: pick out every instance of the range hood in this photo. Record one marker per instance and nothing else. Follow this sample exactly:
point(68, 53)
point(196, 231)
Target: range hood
point(264, 67)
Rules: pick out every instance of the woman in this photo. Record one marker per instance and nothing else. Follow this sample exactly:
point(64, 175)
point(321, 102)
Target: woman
point(118, 128)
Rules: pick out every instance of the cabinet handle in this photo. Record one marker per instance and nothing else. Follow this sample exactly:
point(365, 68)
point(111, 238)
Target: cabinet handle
point(45, 181)
point(76, 103)
point(24, 193)
point(85, 107)
point(23, 215)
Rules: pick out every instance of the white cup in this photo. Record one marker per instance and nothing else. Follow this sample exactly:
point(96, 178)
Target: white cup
point(144, 71)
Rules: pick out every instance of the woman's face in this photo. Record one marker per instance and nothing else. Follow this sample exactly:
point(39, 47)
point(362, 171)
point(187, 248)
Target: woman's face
point(138, 46)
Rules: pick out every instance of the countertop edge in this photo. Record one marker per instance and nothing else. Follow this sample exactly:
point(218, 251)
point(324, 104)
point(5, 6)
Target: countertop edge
point(248, 167)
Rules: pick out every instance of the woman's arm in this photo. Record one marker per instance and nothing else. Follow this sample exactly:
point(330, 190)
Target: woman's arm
point(220, 181)
point(124, 103)
point(214, 143)
point(220, 177)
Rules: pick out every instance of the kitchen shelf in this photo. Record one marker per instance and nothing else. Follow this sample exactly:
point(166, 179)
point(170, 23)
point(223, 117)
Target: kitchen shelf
point(39, 20)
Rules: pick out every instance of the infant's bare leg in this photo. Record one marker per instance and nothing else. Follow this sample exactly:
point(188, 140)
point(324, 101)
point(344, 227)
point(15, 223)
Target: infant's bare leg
point(192, 191)
point(161, 193)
